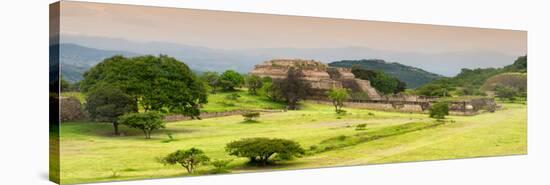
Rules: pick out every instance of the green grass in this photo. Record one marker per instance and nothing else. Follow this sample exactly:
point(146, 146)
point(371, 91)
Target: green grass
point(91, 154)
point(219, 102)
point(79, 96)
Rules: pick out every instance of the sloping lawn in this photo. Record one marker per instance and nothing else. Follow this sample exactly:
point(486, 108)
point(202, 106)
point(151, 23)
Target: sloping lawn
point(90, 153)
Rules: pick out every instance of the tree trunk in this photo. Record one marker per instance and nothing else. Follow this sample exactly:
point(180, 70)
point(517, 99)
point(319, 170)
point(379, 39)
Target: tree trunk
point(115, 126)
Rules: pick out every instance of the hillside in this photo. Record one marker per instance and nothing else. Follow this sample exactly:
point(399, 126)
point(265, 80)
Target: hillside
point(469, 81)
point(203, 58)
point(414, 77)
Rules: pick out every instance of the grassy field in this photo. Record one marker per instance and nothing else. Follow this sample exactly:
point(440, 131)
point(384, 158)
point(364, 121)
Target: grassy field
point(90, 153)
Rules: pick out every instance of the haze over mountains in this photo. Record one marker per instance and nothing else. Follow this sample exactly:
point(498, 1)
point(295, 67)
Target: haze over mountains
point(242, 60)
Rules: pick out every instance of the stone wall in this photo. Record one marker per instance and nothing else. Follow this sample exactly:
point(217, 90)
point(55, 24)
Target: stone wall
point(179, 117)
point(466, 107)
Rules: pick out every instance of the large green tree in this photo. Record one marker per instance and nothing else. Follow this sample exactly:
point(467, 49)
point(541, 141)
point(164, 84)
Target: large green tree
point(212, 79)
point(293, 88)
point(108, 103)
point(159, 83)
point(230, 79)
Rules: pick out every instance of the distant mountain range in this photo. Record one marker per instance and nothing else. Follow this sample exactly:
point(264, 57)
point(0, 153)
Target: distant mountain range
point(76, 58)
point(414, 77)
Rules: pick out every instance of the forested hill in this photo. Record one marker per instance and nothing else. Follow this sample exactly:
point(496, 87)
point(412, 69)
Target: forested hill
point(469, 81)
point(414, 77)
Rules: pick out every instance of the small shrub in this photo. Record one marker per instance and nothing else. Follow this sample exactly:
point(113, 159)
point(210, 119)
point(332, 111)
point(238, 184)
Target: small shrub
point(232, 96)
point(361, 126)
point(221, 166)
point(189, 159)
point(439, 110)
point(341, 138)
point(251, 116)
point(227, 104)
point(371, 114)
point(313, 147)
point(147, 121)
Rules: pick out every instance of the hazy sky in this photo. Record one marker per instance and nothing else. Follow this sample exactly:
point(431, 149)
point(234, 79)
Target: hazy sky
point(230, 30)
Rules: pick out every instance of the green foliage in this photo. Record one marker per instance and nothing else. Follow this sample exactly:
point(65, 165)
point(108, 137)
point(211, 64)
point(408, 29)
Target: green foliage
point(269, 90)
point(189, 159)
point(380, 80)
point(212, 79)
point(293, 88)
point(107, 104)
point(506, 93)
point(361, 126)
point(517, 81)
point(254, 83)
point(441, 89)
point(259, 150)
point(520, 65)
point(156, 83)
point(230, 79)
point(251, 116)
point(411, 76)
point(439, 110)
point(469, 81)
point(232, 96)
point(67, 86)
point(342, 141)
point(146, 122)
point(338, 96)
point(221, 166)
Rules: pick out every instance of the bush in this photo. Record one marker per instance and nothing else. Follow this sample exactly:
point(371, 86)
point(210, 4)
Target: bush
point(439, 110)
point(361, 126)
point(189, 159)
point(220, 166)
point(259, 150)
point(251, 116)
point(230, 79)
point(338, 96)
point(147, 121)
point(232, 96)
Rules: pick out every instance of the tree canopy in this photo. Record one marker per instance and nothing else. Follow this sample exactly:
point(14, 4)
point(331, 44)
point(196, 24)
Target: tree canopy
point(293, 88)
point(107, 104)
point(379, 80)
point(259, 150)
point(156, 83)
point(338, 96)
point(146, 121)
point(254, 82)
point(189, 159)
point(230, 79)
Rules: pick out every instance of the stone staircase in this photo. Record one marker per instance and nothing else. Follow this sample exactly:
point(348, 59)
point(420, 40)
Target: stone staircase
point(366, 87)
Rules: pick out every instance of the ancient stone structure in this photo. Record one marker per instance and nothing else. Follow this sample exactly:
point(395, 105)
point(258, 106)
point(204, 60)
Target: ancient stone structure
point(321, 77)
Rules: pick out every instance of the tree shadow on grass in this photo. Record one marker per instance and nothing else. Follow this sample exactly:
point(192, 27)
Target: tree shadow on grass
point(107, 130)
point(250, 121)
